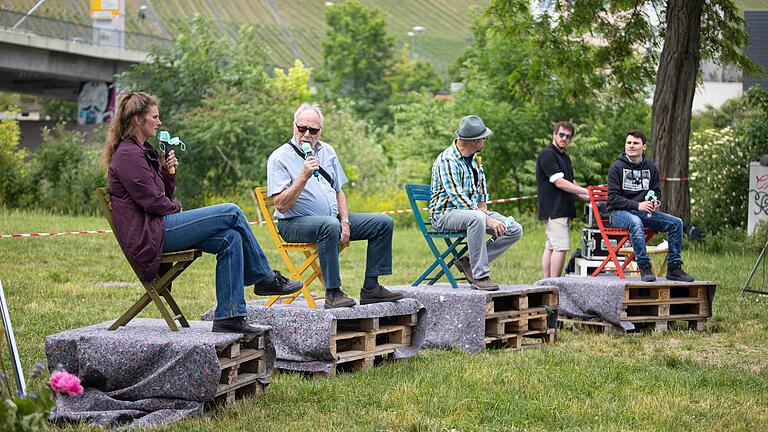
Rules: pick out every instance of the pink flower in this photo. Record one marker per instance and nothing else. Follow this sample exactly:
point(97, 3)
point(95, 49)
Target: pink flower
point(65, 382)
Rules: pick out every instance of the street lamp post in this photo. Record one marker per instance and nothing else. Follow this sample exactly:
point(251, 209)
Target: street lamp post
point(413, 47)
point(414, 33)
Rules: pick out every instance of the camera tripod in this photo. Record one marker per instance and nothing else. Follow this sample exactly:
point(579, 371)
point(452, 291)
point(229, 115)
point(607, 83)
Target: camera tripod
point(760, 259)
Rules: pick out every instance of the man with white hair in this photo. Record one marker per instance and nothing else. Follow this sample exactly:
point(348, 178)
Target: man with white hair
point(311, 208)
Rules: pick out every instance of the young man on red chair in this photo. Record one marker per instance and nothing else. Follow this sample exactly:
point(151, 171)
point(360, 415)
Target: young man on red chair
point(631, 180)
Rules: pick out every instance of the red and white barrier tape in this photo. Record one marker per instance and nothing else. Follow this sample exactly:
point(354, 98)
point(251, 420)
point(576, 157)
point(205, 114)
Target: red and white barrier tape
point(56, 234)
point(500, 200)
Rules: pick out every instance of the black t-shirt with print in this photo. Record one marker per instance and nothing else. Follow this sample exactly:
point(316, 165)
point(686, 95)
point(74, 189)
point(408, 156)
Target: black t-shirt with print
point(553, 201)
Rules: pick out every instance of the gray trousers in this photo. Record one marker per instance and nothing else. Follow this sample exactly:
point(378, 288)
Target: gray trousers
point(481, 252)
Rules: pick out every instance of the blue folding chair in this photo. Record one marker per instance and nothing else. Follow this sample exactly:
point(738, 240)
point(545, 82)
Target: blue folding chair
point(454, 240)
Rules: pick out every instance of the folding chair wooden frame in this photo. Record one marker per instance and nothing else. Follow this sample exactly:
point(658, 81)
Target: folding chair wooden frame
point(456, 244)
point(161, 286)
point(308, 249)
point(600, 193)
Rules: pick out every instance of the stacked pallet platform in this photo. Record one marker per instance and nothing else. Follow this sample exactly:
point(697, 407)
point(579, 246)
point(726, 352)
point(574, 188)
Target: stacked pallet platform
point(519, 319)
point(585, 324)
point(359, 344)
point(662, 305)
point(243, 368)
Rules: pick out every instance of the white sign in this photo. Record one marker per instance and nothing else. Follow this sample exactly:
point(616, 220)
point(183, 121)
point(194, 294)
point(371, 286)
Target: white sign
point(757, 209)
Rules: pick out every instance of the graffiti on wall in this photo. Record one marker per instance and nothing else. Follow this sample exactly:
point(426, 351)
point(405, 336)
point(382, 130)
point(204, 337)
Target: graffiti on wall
point(96, 103)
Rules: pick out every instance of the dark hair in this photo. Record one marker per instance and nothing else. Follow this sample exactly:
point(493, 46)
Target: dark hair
point(567, 125)
point(637, 134)
point(121, 126)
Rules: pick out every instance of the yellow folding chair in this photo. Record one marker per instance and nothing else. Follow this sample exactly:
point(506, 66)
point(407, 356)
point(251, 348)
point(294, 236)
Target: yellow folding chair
point(308, 249)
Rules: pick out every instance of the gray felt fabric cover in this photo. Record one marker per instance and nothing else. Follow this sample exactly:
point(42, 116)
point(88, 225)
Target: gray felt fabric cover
point(143, 373)
point(602, 297)
point(302, 335)
point(456, 316)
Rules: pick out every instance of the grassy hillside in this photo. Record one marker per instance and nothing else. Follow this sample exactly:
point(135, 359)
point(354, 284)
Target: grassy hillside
point(293, 28)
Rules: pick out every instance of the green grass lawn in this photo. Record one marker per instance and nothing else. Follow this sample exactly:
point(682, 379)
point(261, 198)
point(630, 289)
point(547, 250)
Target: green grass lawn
point(656, 381)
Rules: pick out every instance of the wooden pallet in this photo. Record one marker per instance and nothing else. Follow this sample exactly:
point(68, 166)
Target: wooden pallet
point(504, 301)
point(243, 365)
point(583, 324)
point(658, 306)
point(360, 344)
point(526, 339)
point(355, 342)
point(515, 320)
point(669, 310)
point(664, 325)
point(644, 293)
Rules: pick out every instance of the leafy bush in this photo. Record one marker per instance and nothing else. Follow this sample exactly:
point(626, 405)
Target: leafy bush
point(14, 178)
point(719, 166)
point(65, 173)
point(199, 62)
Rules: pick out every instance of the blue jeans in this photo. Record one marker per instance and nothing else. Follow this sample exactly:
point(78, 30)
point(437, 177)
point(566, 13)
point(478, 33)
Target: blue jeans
point(326, 232)
point(221, 229)
point(634, 220)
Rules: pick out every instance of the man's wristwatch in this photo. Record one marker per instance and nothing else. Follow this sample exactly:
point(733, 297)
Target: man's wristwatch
point(345, 221)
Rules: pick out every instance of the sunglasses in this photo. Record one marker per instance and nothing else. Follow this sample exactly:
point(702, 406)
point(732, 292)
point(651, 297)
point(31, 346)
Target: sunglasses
point(565, 136)
point(312, 131)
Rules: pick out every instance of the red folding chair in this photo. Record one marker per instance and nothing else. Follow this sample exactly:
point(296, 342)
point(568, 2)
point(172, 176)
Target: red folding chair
point(600, 193)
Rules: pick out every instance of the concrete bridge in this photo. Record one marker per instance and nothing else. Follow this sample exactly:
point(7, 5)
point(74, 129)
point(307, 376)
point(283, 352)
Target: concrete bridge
point(55, 58)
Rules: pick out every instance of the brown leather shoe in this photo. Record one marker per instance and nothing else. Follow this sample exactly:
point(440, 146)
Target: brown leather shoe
point(379, 295)
point(485, 284)
point(335, 298)
point(463, 265)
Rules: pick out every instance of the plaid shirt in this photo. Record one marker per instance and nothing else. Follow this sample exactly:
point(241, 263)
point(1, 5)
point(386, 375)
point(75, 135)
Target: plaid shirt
point(453, 184)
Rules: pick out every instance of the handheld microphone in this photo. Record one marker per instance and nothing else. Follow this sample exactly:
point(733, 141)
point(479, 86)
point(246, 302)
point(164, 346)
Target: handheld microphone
point(307, 149)
point(508, 222)
point(166, 141)
point(651, 196)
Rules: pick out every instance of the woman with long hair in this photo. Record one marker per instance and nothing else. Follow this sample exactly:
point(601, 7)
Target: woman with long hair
point(149, 221)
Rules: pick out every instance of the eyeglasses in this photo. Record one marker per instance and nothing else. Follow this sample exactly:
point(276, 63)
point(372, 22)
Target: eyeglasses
point(565, 136)
point(312, 131)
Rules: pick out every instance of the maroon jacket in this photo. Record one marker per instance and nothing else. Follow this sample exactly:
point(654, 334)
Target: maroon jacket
point(141, 195)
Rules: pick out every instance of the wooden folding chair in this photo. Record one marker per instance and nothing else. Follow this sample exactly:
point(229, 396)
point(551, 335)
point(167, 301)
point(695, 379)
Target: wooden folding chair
point(456, 245)
point(597, 194)
point(309, 250)
point(161, 286)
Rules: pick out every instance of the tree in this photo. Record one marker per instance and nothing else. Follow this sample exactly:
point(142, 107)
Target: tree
point(714, 27)
point(215, 94)
point(609, 49)
point(523, 72)
point(199, 61)
point(358, 57)
point(414, 76)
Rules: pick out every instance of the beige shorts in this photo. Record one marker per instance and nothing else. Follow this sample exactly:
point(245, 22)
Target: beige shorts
point(557, 234)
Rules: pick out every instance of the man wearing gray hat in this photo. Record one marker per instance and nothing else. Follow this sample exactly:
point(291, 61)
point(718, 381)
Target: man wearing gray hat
point(458, 202)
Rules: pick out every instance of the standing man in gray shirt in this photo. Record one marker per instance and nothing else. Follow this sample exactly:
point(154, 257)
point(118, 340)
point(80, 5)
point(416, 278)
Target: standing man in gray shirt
point(311, 208)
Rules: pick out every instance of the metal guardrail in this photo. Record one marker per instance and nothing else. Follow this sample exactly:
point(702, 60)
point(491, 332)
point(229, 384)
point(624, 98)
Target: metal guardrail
point(78, 33)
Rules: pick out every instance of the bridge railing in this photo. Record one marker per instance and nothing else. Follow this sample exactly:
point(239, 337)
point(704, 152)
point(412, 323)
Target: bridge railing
point(79, 33)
